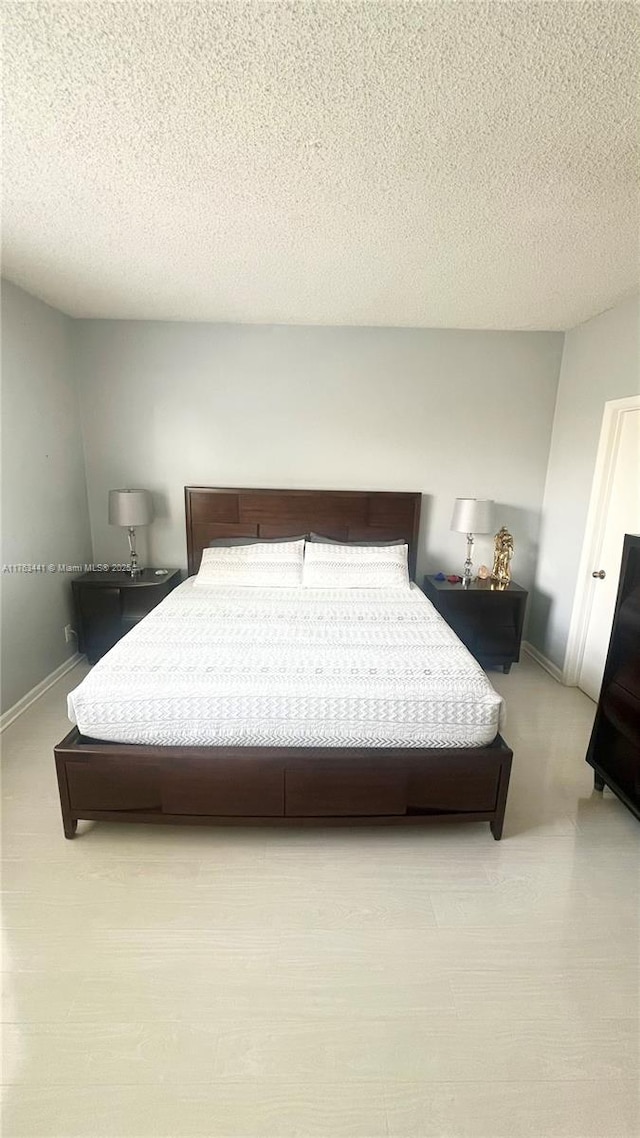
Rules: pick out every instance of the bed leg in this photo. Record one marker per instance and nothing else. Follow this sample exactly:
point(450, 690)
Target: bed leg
point(598, 781)
point(70, 824)
point(497, 823)
point(70, 827)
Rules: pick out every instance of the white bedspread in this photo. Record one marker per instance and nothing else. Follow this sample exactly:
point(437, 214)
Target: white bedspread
point(293, 667)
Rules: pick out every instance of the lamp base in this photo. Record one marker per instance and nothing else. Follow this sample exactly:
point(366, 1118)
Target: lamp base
point(134, 568)
point(467, 576)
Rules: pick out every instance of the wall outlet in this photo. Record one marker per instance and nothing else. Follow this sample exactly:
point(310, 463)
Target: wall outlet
point(69, 633)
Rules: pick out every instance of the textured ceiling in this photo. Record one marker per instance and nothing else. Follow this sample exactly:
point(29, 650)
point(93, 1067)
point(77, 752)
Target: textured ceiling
point(435, 164)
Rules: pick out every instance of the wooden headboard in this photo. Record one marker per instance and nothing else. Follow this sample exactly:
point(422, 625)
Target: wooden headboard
point(347, 515)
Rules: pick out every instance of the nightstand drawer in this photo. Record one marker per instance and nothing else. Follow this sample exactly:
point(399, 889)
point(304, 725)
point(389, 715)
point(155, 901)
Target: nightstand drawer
point(108, 605)
point(137, 603)
point(98, 620)
point(487, 620)
point(482, 638)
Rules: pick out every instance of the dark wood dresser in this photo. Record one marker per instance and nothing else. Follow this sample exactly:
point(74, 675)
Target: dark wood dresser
point(614, 749)
point(108, 604)
point(487, 618)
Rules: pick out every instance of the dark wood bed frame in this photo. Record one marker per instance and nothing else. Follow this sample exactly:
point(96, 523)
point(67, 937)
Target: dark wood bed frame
point(119, 782)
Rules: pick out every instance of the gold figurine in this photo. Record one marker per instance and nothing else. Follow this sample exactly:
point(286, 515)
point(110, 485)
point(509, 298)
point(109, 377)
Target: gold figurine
point(501, 571)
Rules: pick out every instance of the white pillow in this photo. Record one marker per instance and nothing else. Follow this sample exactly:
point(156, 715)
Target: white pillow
point(355, 566)
point(272, 565)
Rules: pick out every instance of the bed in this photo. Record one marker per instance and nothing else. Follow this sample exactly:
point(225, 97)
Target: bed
point(191, 719)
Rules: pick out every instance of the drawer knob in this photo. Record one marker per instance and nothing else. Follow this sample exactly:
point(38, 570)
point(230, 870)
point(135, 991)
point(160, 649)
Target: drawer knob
point(599, 573)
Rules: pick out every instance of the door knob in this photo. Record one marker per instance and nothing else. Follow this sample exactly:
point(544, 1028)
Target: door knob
point(599, 573)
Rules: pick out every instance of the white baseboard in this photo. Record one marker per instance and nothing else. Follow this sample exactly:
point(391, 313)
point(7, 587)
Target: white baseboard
point(543, 661)
point(12, 713)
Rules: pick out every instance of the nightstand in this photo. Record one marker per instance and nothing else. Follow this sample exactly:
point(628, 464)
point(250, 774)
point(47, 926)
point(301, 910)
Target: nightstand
point(488, 619)
point(108, 604)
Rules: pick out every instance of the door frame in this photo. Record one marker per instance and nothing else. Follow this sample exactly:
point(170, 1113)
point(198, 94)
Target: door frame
point(614, 411)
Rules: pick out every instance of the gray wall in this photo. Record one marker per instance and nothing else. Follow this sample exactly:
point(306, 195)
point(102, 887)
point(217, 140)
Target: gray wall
point(600, 362)
point(44, 504)
point(446, 412)
point(163, 405)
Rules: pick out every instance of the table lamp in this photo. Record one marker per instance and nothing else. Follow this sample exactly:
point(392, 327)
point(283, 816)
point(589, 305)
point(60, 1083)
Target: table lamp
point(471, 515)
point(131, 508)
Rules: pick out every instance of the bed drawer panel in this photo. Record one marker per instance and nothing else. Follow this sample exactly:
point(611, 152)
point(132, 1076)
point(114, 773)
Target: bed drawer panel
point(224, 787)
point(454, 784)
point(113, 785)
point(353, 789)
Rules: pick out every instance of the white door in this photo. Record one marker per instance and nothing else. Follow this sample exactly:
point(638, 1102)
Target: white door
point(622, 516)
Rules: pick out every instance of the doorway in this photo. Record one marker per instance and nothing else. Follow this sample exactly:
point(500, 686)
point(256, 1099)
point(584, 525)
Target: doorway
point(614, 510)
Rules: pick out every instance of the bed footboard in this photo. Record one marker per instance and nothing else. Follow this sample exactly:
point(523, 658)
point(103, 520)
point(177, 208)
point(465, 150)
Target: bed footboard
point(280, 786)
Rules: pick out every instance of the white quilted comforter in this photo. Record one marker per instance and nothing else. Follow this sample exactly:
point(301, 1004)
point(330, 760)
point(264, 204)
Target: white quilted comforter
point(289, 667)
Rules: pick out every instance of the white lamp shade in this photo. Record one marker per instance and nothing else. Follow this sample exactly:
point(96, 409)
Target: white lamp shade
point(130, 508)
point(472, 515)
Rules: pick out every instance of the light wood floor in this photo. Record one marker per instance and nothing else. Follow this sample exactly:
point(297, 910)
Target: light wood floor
point(167, 983)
